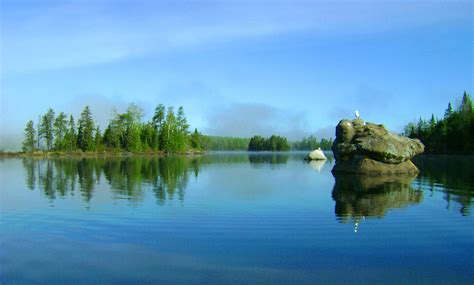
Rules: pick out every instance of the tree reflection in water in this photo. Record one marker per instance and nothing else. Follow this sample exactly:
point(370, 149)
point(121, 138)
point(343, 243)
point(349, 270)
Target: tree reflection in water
point(257, 159)
point(167, 176)
point(451, 174)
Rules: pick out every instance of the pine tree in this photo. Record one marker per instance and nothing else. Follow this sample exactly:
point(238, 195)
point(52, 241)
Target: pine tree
point(452, 134)
point(85, 139)
point(449, 111)
point(168, 136)
point(133, 117)
point(132, 139)
point(29, 144)
point(46, 128)
point(60, 129)
point(159, 116)
point(97, 139)
point(195, 140)
point(466, 103)
point(158, 121)
point(182, 129)
point(38, 133)
point(70, 138)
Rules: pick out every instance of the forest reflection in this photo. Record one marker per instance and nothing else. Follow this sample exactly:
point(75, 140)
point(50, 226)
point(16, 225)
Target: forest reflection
point(450, 174)
point(127, 177)
point(257, 160)
point(166, 176)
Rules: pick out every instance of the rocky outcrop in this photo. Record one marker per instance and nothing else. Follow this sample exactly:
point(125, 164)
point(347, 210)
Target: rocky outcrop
point(366, 148)
point(316, 154)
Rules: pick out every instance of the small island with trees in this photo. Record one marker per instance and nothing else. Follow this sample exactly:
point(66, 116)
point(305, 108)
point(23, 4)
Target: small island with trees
point(166, 133)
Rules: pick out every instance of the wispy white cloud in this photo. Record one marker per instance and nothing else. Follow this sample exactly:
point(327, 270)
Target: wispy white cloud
point(41, 35)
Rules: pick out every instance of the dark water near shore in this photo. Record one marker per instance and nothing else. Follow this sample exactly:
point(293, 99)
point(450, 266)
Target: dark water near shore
point(233, 218)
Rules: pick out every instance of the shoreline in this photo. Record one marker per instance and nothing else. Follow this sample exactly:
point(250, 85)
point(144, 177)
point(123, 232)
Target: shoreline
point(54, 154)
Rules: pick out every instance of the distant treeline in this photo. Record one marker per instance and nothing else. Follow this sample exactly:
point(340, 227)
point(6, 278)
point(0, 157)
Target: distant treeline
point(273, 143)
point(218, 143)
point(453, 134)
point(167, 132)
point(259, 143)
point(312, 143)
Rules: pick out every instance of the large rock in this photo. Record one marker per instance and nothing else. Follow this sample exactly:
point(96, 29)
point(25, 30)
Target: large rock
point(367, 148)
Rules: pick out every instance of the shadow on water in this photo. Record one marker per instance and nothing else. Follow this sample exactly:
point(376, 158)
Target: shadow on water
point(449, 174)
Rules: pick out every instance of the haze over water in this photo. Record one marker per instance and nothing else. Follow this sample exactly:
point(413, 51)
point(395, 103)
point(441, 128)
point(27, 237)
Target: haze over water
point(233, 218)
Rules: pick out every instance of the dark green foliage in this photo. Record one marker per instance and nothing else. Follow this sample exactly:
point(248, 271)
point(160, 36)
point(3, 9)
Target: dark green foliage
point(149, 137)
point(273, 143)
point(168, 131)
point(98, 140)
point(29, 144)
point(195, 140)
point(111, 139)
point(217, 143)
point(46, 128)
point(454, 134)
point(159, 117)
point(311, 143)
point(85, 136)
point(60, 130)
point(182, 130)
point(70, 138)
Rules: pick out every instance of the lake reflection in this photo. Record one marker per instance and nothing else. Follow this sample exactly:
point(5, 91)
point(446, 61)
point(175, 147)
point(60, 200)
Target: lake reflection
point(167, 177)
point(366, 196)
point(233, 218)
point(355, 196)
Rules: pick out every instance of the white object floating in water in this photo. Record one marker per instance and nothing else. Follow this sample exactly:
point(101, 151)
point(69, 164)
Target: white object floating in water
point(317, 154)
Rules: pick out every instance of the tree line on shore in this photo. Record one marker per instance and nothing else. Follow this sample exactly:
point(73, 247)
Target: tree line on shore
point(452, 134)
point(168, 131)
point(273, 143)
point(220, 143)
point(312, 143)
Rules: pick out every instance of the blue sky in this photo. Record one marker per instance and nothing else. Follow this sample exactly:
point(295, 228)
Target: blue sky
point(239, 68)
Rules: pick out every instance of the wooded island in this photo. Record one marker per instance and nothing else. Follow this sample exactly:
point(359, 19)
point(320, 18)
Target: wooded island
point(167, 132)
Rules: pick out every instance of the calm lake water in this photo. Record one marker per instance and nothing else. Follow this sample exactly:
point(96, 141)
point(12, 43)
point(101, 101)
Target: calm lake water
point(233, 218)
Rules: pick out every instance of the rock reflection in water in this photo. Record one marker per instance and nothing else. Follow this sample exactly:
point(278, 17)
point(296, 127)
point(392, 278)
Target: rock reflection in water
point(358, 197)
point(317, 164)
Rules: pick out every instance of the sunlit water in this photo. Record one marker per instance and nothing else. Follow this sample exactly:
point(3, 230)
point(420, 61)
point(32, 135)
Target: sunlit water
point(233, 218)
